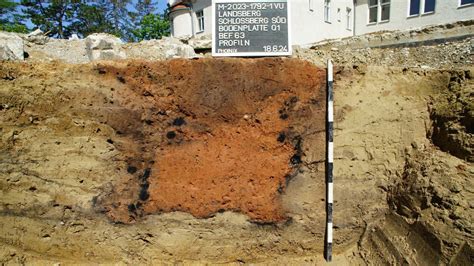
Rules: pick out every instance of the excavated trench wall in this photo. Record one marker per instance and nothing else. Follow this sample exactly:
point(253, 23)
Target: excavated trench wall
point(222, 161)
point(204, 154)
point(210, 136)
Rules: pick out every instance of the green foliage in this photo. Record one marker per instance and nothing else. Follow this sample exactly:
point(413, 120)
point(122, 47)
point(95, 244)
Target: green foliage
point(152, 27)
point(13, 27)
point(91, 18)
point(10, 20)
point(53, 16)
point(148, 24)
point(130, 20)
point(119, 17)
point(143, 8)
point(7, 6)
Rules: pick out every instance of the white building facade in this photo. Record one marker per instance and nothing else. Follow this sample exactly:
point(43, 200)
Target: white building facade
point(317, 20)
point(388, 15)
point(190, 18)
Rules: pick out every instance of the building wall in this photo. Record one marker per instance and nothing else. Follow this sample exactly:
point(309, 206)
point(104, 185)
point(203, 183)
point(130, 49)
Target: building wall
point(307, 23)
point(446, 11)
point(181, 23)
point(206, 6)
point(308, 20)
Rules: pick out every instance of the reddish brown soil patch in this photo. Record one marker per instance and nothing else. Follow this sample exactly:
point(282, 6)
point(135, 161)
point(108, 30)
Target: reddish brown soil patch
point(211, 135)
point(235, 168)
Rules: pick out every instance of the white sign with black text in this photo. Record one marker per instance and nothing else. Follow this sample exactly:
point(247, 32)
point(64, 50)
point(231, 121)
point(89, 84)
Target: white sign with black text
point(251, 28)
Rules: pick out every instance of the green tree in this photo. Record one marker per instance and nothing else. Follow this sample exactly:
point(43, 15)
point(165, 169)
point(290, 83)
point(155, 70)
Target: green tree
point(91, 18)
point(152, 27)
point(10, 20)
point(119, 16)
point(127, 19)
point(54, 17)
point(145, 7)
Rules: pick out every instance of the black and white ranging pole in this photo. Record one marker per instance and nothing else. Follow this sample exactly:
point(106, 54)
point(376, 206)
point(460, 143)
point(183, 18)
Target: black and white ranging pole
point(329, 161)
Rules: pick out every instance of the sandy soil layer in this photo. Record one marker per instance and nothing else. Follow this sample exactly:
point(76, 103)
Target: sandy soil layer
point(77, 140)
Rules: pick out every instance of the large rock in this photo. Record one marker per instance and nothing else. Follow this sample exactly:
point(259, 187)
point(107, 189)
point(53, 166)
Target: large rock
point(201, 43)
point(74, 37)
point(6, 53)
point(70, 51)
point(164, 48)
point(37, 37)
point(103, 46)
point(11, 47)
point(176, 49)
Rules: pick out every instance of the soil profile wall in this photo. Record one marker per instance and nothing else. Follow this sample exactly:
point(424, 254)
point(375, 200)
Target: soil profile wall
point(208, 136)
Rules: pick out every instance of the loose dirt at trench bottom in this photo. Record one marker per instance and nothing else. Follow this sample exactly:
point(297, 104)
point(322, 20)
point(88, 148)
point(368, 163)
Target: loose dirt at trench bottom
point(130, 162)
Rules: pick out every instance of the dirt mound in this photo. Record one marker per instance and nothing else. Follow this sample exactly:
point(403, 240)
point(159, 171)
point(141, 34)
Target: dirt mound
point(452, 112)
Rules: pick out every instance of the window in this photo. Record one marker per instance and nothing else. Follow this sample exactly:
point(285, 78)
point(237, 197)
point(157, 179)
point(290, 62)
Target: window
point(373, 10)
point(416, 7)
point(429, 6)
point(348, 18)
point(200, 19)
point(385, 6)
point(327, 10)
point(379, 11)
point(466, 2)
